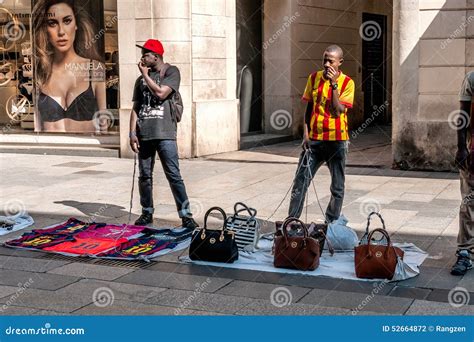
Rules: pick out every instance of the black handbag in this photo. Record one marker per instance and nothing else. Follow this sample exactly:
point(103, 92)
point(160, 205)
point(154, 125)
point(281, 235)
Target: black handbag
point(214, 245)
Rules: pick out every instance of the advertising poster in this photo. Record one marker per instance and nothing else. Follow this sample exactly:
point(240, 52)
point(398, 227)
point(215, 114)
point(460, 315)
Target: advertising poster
point(68, 45)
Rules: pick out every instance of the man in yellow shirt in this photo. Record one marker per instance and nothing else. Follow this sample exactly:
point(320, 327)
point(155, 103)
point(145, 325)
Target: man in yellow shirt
point(329, 93)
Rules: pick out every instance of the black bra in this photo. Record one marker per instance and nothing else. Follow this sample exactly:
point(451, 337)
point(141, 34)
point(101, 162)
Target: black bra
point(82, 108)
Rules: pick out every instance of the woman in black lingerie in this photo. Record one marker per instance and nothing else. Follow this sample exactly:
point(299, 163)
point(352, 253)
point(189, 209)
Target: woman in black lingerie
point(70, 77)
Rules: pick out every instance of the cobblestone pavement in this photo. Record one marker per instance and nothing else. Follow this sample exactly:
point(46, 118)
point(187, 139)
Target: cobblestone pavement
point(418, 207)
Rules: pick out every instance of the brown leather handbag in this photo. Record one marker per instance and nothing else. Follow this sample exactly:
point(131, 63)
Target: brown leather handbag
point(376, 261)
point(316, 231)
point(295, 252)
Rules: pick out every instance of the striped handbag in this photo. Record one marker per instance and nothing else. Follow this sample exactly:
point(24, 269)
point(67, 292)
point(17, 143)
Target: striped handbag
point(246, 228)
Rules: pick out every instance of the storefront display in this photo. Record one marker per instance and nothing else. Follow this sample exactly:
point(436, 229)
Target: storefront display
point(58, 66)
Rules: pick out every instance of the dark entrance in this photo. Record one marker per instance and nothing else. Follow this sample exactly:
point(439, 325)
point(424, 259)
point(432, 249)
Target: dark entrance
point(374, 71)
point(249, 64)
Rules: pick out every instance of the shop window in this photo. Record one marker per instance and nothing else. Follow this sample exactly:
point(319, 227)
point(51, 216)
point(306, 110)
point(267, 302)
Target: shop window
point(59, 66)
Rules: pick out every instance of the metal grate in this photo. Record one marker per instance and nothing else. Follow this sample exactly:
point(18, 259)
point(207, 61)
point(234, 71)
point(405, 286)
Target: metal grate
point(123, 263)
point(67, 258)
point(101, 262)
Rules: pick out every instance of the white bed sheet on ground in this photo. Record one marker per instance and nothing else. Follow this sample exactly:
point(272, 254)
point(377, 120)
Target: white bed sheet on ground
point(340, 266)
point(21, 222)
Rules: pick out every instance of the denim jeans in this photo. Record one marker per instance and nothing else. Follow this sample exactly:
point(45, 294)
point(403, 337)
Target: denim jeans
point(334, 154)
point(168, 154)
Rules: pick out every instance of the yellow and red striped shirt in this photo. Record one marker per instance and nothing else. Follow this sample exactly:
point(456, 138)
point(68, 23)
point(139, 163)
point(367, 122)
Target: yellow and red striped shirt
point(323, 125)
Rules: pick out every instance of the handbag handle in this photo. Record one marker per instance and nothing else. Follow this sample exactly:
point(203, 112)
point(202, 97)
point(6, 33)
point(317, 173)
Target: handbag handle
point(252, 212)
point(383, 232)
point(330, 247)
point(368, 221)
point(221, 211)
point(290, 220)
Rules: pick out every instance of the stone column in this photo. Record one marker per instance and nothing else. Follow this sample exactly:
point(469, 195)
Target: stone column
point(278, 65)
point(128, 69)
point(405, 75)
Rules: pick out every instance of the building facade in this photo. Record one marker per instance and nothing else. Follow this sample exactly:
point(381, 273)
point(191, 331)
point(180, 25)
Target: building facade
point(244, 65)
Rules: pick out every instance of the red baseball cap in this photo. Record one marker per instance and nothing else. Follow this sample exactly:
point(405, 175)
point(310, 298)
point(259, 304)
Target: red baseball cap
point(153, 45)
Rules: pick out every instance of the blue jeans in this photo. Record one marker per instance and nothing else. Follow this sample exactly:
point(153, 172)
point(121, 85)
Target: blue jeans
point(168, 154)
point(334, 154)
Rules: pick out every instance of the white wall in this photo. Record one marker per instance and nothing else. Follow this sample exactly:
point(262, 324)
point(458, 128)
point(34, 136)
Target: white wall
point(199, 38)
point(433, 51)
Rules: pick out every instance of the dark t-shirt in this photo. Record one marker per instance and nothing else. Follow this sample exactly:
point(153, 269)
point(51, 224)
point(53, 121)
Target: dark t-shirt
point(154, 114)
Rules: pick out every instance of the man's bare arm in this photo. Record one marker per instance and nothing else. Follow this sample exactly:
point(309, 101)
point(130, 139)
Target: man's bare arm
point(134, 143)
point(336, 107)
point(161, 92)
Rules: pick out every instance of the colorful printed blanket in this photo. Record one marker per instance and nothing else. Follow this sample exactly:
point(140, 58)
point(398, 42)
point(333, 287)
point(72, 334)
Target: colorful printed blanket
point(101, 240)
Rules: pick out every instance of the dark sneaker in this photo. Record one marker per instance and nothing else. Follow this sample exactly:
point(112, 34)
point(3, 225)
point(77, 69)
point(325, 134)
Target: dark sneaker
point(188, 222)
point(463, 264)
point(144, 219)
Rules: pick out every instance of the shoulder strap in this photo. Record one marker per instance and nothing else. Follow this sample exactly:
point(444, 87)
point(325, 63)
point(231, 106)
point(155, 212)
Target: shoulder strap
point(163, 70)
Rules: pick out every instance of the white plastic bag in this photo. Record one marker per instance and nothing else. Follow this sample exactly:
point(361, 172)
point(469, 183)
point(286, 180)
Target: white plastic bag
point(341, 236)
point(404, 271)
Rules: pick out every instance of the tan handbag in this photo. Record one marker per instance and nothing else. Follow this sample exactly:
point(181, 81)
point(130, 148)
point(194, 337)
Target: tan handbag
point(376, 261)
point(295, 252)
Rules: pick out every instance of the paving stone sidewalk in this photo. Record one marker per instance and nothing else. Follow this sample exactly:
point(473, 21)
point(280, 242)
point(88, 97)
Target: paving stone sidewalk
point(418, 207)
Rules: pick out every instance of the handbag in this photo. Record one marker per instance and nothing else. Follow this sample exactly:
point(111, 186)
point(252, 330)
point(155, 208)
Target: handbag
point(214, 245)
point(376, 261)
point(380, 241)
point(295, 252)
point(246, 228)
point(316, 231)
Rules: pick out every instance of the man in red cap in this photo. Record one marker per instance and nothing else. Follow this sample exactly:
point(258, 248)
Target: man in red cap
point(153, 130)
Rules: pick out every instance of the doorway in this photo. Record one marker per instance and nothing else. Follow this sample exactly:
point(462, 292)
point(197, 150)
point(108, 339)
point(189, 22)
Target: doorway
point(250, 64)
point(374, 68)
